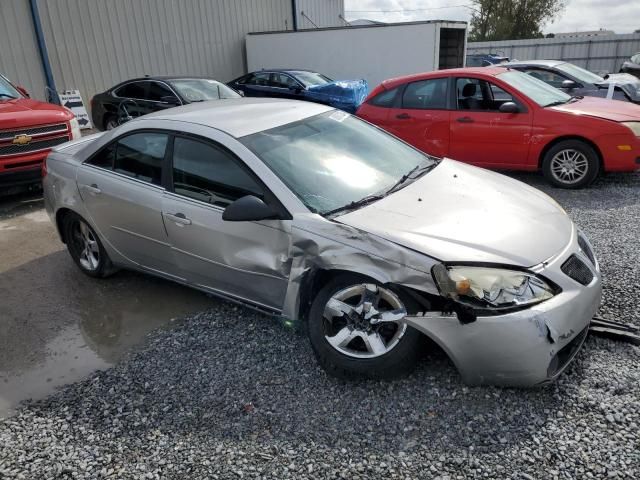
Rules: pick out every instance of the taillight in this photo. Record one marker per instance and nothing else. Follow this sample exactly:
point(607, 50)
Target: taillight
point(44, 167)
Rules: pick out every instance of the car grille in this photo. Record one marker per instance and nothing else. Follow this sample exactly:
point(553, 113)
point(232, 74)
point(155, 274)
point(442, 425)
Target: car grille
point(577, 270)
point(584, 246)
point(8, 135)
point(33, 146)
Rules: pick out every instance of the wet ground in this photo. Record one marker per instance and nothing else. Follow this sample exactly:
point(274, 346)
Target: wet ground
point(58, 325)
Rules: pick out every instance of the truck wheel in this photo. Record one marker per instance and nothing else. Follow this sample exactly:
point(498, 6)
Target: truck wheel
point(356, 330)
point(85, 247)
point(571, 164)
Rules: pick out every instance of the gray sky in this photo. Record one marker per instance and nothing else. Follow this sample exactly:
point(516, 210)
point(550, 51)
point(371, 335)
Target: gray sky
point(621, 16)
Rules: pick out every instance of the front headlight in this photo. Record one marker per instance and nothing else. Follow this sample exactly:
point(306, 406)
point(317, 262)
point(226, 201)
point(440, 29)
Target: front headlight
point(634, 127)
point(492, 288)
point(75, 129)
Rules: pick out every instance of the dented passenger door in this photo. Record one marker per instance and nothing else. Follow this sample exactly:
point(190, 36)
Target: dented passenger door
point(245, 259)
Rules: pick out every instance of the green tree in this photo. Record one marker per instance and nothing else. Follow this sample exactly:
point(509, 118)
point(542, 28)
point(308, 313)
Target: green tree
point(511, 19)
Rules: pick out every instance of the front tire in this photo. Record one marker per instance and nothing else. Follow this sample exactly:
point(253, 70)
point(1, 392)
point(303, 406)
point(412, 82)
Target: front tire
point(571, 164)
point(356, 330)
point(85, 247)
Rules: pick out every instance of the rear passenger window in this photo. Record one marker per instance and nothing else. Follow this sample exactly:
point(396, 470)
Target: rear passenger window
point(140, 156)
point(104, 158)
point(426, 94)
point(133, 90)
point(210, 174)
point(385, 99)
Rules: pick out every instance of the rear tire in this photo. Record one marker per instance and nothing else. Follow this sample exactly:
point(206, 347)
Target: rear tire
point(571, 164)
point(347, 345)
point(85, 247)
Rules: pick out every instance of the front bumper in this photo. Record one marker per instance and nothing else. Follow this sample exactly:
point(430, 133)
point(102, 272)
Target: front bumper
point(524, 348)
point(22, 170)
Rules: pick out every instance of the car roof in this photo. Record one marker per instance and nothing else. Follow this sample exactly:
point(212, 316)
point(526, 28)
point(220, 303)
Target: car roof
point(285, 70)
point(541, 63)
point(450, 72)
point(241, 116)
point(162, 78)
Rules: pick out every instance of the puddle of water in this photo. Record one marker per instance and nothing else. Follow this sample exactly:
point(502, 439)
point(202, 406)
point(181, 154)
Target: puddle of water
point(58, 325)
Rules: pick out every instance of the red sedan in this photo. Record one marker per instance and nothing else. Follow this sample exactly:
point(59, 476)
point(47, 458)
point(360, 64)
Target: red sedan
point(504, 119)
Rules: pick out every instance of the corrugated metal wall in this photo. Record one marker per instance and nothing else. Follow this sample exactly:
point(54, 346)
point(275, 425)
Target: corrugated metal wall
point(94, 44)
point(19, 57)
point(324, 13)
point(606, 53)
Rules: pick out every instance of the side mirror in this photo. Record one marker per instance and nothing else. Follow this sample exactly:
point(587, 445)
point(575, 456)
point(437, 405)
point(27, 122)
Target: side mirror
point(170, 100)
point(248, 209)
point(569, 84)
point(295, 88)
point(23, 91)
point(509, 107)
point(240, 92)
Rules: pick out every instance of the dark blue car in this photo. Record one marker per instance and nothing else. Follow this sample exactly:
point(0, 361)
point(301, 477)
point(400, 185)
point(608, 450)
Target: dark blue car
point(303, 85)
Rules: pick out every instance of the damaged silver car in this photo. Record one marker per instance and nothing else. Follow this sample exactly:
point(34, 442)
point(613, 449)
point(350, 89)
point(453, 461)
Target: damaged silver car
point(307, 212)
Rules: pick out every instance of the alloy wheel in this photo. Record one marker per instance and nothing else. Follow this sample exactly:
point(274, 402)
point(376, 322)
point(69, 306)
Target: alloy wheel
point(364, 321)
point(86, 246)
point(569, 166)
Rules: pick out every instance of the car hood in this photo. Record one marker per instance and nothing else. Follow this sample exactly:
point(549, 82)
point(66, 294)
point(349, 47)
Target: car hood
point(629, 84)
point(602, 108)
point(25, 112)
point(458, 212)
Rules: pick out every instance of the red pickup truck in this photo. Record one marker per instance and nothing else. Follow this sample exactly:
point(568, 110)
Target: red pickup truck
point(28, 131)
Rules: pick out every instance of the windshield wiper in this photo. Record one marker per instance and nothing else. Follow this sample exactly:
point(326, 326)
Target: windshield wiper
point(420, 169)
point(355, 204)
point(557, 102)
point(7, 95)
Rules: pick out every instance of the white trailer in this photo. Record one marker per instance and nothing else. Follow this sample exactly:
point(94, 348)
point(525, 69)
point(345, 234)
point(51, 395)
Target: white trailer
point(372, 52)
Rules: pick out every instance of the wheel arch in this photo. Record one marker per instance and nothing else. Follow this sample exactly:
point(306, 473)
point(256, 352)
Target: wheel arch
point(563, 138)
point(61, 214)
point(314, 279)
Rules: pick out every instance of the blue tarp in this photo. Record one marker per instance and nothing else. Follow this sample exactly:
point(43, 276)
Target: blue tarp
point(346, 95)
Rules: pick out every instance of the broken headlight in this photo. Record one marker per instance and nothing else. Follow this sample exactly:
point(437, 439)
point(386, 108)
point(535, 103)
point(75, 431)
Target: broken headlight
point(493, 288)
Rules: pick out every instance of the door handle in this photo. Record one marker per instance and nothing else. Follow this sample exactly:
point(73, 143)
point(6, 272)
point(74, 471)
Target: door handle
point(179, 218)
point(403, 116)
point(464, 120)
point(93, 189)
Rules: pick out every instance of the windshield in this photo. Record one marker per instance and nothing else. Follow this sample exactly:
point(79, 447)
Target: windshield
point(7, 91)
point(200, 89)
point(333, 159)
point(540, 92)
point(580, 73)
point(310, 79)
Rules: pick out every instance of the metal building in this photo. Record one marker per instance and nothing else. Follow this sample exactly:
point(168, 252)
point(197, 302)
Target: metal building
point(91, 45)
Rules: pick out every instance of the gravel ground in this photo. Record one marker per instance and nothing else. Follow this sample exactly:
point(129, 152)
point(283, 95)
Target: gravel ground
point(229, 393)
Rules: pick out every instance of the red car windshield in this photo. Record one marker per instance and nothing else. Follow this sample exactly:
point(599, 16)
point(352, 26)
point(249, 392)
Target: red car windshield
point(7, 91)
point(540, 92)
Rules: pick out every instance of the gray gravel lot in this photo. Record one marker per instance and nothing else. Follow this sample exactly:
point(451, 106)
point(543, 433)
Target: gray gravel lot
point(230, 393)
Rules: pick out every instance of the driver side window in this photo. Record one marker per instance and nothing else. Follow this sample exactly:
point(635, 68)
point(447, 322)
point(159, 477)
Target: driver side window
point(480, 95)
point(210, 174)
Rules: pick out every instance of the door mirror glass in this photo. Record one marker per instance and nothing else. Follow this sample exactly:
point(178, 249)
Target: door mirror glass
point(248, 209)
point(170, 100)
point(569, 84)
point(509, 107)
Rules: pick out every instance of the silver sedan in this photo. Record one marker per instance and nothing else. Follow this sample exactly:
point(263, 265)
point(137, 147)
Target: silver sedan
point(300, 210)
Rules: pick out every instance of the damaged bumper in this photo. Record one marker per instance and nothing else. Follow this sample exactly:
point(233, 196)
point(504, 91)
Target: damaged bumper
point(524, 348)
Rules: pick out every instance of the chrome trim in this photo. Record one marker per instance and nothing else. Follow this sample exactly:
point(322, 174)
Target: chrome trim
point(20, 154)
point(32, 135)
